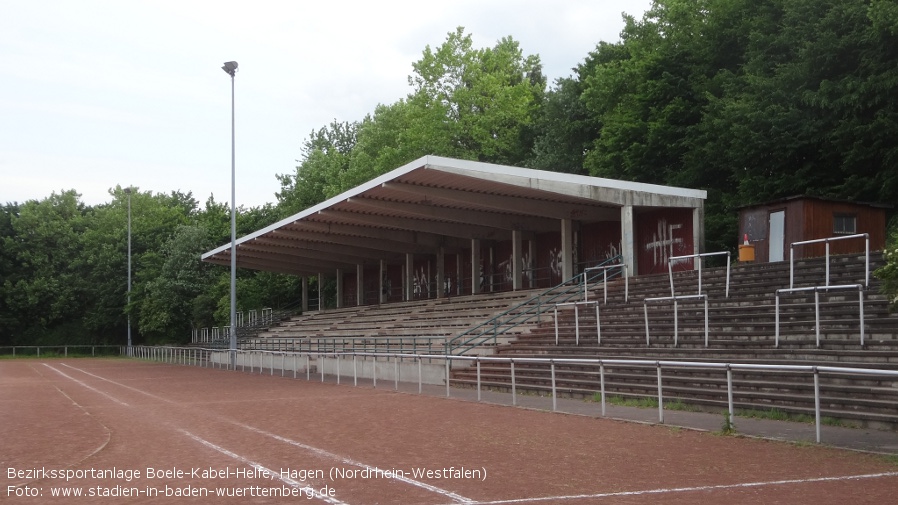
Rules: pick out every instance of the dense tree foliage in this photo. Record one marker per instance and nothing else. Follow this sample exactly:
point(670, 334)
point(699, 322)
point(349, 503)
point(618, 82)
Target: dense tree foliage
point(63, 269)
point(888, 273)
point(467, 103)
point(750, 100)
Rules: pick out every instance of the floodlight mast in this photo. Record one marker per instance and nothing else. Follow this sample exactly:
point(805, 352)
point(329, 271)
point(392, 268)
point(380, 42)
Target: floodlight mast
point(128, 192)
point(230, 68)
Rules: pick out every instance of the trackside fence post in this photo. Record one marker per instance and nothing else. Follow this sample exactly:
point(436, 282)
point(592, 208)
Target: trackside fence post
point(554, 396)
point(660, 396)
point(602, 385)
point(447, 376)
point(817, 402)
point(514, 394)
point(477, 363)
point(730, 397)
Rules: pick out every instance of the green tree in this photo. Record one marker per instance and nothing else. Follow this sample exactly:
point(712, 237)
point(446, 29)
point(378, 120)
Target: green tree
point(167, 308)
point(477, 104)
point(325, 157)
point(49, 284)
point(10, 323)
point(888, 273)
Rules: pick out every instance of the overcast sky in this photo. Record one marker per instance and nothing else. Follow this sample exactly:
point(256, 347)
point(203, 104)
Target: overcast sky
point(99, 93)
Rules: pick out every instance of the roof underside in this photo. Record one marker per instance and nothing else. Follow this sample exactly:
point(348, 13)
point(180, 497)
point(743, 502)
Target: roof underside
point(437, 202)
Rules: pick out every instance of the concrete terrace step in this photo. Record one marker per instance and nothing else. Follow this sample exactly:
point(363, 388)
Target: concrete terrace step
point(741, 329)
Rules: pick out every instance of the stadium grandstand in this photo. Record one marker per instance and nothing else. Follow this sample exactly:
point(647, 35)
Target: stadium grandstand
point(461, 258)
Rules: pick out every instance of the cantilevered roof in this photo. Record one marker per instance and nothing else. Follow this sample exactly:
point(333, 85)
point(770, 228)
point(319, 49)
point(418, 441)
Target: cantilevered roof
point(436, 202)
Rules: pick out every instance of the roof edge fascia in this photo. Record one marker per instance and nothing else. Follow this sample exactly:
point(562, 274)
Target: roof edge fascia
point(377, 181)
point(438, 162)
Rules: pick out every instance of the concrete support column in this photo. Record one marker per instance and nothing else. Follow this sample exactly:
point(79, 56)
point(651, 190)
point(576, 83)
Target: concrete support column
point(383, 295)
point(567, 249)
point(456, 286)
point(305, 294)
point(475, 266)
point(360, 284)
point(698, 231)
point(628, 238)
point(516, 260)
point(320, 284)
point(339, 288)
point(441, 272)
point(409, 276)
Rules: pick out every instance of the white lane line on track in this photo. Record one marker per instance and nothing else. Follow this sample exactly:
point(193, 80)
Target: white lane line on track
point(99, 448)
point(346, 461)
point(116, 400)
point(105, 428)
point(286, 480)
point(321, 452)
point(151, 395)
point(688, 489)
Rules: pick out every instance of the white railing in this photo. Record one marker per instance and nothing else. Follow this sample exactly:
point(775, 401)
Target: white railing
point(827, 287)
point(254, 317)
point(676, 299)
point(53, 350)
point(817, 290)
point(864, 236)
point(216, 358)
point(605, 269)
point(576, 306)
point(673, 259)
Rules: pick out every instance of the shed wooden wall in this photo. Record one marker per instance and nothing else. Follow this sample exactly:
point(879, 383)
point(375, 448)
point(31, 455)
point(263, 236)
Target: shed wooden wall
point(811, 219)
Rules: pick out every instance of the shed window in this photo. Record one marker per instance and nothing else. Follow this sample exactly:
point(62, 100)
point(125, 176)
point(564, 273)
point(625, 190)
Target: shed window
point(844, 224)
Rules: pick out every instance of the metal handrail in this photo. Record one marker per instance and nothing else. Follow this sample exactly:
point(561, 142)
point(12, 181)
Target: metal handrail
point(415, 343)
point(645, 309)
point(515, 316)
point(826, 286)
point(65, 348)
point(865, 236)
point(672, 259)
point(576, 306)
point(605, 268)
point(205, 358)
point(817, 290)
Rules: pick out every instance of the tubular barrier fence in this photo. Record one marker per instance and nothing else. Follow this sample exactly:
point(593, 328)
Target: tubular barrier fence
point(351, 365)
point(79, 349)
point(826, 287)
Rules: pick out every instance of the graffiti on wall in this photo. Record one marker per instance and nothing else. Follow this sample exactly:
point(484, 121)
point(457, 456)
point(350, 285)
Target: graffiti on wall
point(507, 267)
point(664, 243)
point(420, 284)
point(556, 261)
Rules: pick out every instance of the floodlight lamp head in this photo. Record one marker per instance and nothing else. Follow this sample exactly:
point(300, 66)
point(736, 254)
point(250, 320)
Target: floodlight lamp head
point(230, 67)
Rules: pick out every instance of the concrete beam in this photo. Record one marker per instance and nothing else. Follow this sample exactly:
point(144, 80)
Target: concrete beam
point(519, 205)
point(442, 214)
point(466, 231)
